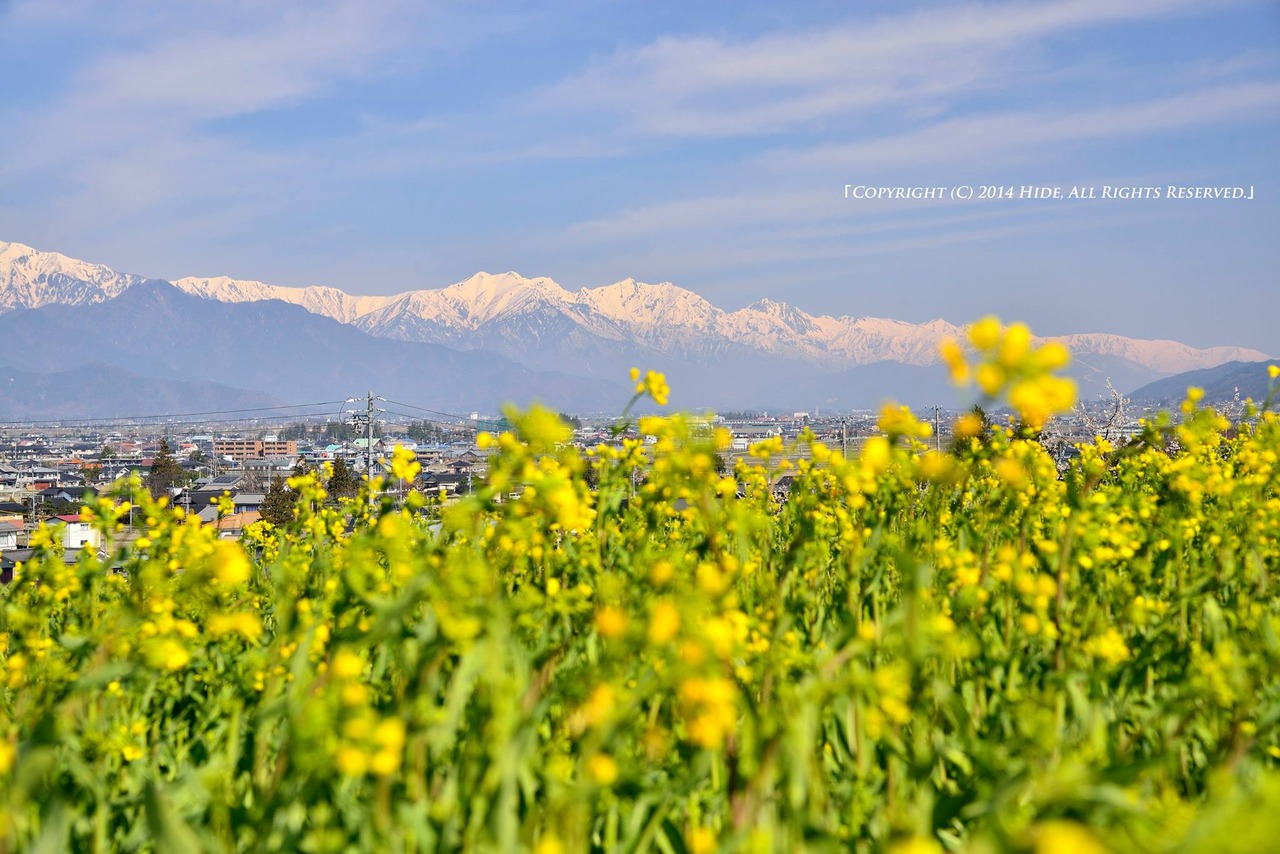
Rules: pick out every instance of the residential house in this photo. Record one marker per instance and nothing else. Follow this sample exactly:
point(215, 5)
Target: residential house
point(10, 559)
point(229, 527)
point(248, 501)
point(77, 534)
point(9, 536)
point(63, 496)
point(453, 483)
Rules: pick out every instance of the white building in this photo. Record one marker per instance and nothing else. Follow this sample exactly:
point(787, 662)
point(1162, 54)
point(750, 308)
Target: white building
point(8, 536)
point(77, 534)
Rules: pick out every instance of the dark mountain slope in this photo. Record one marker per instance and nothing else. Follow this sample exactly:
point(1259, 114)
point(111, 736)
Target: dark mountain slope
point(278, 349)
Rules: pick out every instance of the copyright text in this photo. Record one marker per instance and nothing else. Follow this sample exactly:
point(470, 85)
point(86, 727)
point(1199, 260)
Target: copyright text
point(1015, 192)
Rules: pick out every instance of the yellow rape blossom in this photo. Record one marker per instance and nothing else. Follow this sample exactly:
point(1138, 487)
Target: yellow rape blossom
point(664, 622)
point(611, 622)
point(953, 357)
point(1065, 837)
point(917, 845)
point(404, 464)
point(654, 385)
point(602, 769)
point(229, 567)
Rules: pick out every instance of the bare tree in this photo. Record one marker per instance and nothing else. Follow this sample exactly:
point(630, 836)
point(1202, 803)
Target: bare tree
point(1110, 420)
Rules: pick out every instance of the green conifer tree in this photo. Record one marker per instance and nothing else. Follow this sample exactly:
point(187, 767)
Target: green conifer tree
point(166, 471)
point(343, 482)
point(277, 504)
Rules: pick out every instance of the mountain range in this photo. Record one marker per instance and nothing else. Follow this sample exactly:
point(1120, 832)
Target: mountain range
point(1221, 384)
point(96, 390)
point(539, 323)
point(276, 349)
point(575, 345)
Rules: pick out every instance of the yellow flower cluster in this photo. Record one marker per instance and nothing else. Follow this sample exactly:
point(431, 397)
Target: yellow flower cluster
point(404, 464)
point(371, 746)
point(1009, 363)
point(710, 711)
point(1109, 646)
point(654, 384)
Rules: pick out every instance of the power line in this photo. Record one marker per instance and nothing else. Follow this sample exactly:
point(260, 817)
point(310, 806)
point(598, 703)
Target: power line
point(213, 416)
point(432, 411)
point(126, 418)
point(414, 417)
point(218, 422)
point(209, 422)
point(469, 423)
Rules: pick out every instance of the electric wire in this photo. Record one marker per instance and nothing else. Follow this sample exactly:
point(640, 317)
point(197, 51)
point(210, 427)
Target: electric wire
point(171, 415)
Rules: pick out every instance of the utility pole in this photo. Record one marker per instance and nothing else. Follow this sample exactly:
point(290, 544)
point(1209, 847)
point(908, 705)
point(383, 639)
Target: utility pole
point(937, 434)
point(369, 450)
point(844, 437)
point(365, 420)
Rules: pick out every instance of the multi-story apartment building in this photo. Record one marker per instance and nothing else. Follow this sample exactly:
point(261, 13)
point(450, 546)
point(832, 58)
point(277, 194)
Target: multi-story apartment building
point(252, 449)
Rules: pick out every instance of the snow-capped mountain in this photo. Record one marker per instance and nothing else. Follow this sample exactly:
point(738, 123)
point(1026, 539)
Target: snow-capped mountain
point(30, 278)
point(1160, 355)
point(601, 331)
point(518, 316)
point(317, 299)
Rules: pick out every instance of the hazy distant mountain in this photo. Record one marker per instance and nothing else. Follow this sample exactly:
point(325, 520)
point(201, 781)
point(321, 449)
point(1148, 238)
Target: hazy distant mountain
point(277, 349)
point(1093, 370)
point(917, 386)
point(1220, 384)
point(714, 357)
point(101, 391)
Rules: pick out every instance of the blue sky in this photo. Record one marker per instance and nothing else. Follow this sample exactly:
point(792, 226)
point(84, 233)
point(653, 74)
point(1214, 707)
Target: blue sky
point(381, 146)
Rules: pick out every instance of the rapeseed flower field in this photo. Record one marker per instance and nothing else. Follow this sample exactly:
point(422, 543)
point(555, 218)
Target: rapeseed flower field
point(914, 651)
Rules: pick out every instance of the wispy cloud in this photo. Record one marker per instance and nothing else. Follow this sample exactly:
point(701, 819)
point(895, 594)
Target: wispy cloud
point(291, 53)
point(967, 144)
point(699, 86)
point(135, 128)
point(972, 137)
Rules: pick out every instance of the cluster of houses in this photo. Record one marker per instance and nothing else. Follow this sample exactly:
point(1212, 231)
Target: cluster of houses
point(46, 478)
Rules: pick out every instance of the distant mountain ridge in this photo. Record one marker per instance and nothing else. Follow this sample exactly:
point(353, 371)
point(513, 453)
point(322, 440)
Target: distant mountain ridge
point(600, 332)
point(97, 390)
point(1221, 384)
point(279, 350)
point(317, 299)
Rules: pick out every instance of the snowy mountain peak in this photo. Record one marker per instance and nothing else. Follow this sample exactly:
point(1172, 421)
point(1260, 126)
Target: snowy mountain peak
point(486, 296)
point(13, 251)
point(1158, 355)
point(637, 302)
point(495, 286)
point(30, 278)
point(772, 308)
